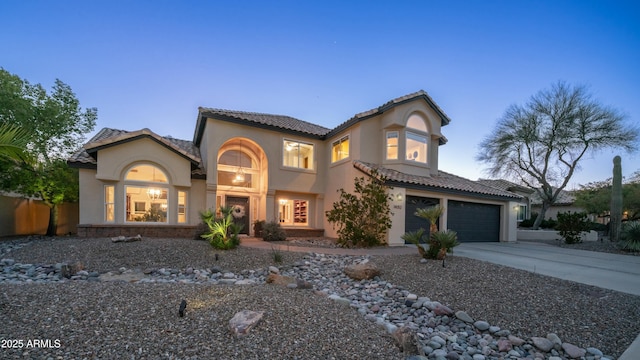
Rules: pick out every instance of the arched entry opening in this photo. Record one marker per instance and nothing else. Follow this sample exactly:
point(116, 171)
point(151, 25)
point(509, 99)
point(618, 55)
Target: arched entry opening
point(242, 181)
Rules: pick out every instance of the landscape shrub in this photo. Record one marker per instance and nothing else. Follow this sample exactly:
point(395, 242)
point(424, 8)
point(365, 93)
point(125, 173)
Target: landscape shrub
point(440, 242)
point(223, 232)
point(202, 228)
point(272, 231)
point(571, 225)
point(362, 218)
point(630, 236)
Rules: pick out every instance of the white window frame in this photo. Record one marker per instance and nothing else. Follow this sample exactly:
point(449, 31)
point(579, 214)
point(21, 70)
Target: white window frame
point(110, 206)
point(417, 137)
point(387, 145)
point(286, 142)
point(339, 142)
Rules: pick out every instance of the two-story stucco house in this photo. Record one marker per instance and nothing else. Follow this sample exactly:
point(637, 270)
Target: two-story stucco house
point(274, 167)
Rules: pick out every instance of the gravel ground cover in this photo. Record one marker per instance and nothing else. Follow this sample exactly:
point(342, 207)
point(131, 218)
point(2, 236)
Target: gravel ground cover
point(139, 321)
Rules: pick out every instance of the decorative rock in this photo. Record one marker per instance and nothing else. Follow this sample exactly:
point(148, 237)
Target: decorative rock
point(557, 343)
point(274, 270)
point(340, 300)
point(412, 297)
point(478, 357)
point(461, 315)
point(280, 279)
point(594, 351)
point(481, 325)
point(452, 355)
point(440, 310)
point(244, 321)
point(573, 351)
point(516, 341)
point(504, 345)
point(542, 343)
point(362, 271)
point(405, 339)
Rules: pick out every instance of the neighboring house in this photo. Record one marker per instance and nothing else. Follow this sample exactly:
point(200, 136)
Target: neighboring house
point(523, 207)
point(564, 203)
point(274, 167)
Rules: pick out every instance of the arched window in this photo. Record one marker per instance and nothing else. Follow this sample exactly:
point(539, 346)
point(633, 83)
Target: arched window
point(416, 122)
point(146, 194)
point(416, 139)
point(237, 168)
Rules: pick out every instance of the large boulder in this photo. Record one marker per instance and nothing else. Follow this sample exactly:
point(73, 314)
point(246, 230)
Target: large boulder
point(363, 271)
point(244, 321)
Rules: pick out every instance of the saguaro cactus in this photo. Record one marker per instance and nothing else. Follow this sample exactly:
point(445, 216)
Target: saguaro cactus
point(615, 223)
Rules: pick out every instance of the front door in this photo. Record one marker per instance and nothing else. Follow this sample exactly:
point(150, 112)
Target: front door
point(240, 206)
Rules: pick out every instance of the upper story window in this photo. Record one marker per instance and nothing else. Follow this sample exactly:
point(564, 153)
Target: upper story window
point(416, 147)
point(416, 144)
point(237, 168)
point(297, 154)
point(340, 149)
point(416, 122)
point(392, 145)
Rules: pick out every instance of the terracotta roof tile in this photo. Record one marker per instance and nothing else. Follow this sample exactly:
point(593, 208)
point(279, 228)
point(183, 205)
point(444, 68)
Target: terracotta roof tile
point(108, 137)
point(277, 121)
point(564, 198)
point(505, 185)
point(443, 180)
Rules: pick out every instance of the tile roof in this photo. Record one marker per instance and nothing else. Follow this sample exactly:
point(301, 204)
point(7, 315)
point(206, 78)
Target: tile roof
point(85, 157)
point(288, 123)
point(421, 94)
point(442, 181)
point(505, 185)
point(271, 120)
point(564, 198)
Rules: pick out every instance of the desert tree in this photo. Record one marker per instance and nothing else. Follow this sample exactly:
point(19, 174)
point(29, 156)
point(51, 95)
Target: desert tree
point(542, 142)
point(55, 126)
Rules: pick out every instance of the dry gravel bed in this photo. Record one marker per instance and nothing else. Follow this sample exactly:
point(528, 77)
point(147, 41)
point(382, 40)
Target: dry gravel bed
point(107, 320)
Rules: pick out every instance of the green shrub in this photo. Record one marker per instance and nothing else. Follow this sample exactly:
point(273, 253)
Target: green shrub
point(597, 227)
point(202, 228)
point(549, 224)
point(223, 232)
point(272, 231)
point(362, 218)
point(630, 236)
point(571, 225)
point(258, 225)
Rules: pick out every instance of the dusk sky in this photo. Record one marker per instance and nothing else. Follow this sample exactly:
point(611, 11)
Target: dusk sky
point(150, 64)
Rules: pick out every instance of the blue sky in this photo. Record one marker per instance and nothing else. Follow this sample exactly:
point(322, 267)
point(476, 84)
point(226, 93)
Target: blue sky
point(152, 63)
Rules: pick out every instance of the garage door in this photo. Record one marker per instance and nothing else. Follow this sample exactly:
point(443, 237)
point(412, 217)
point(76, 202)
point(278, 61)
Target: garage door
point(474, 222)
point(413, 222)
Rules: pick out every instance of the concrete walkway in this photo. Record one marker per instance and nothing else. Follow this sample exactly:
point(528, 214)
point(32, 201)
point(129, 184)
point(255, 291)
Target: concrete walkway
point(604, 270)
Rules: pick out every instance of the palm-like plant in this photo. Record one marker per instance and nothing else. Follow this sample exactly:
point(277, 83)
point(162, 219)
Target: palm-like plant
point(13, 142)
point(223, 232)
point(431, 214)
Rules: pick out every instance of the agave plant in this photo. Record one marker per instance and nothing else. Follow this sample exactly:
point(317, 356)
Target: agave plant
point(431, 214)
point(631, 236)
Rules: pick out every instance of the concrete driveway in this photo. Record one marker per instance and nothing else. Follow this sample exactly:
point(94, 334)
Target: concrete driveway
point(609, 271)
